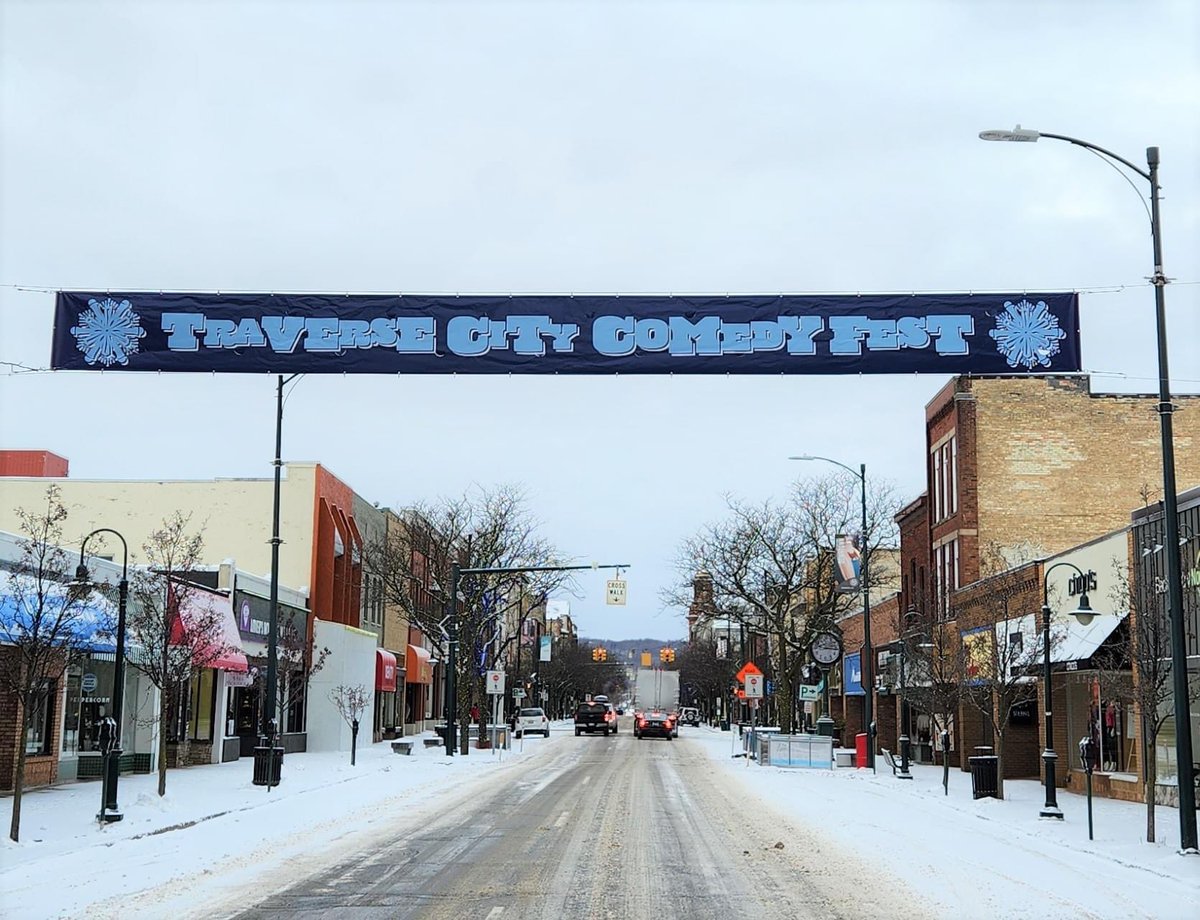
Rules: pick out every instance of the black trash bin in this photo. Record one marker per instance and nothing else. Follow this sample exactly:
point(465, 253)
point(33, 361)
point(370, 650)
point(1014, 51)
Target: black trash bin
point(267, 768)
point(985, 774)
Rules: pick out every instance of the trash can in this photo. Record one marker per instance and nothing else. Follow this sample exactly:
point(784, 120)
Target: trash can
point(985, 774)
point(724, 725)
point(860, 749)
point(267, 768)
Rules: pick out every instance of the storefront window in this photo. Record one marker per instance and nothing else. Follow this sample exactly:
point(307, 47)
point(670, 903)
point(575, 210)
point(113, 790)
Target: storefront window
point(294, 721)
point(203, 699)
point(1090, 715)
point(89, 700)
point(70, 738)
point(39, 724)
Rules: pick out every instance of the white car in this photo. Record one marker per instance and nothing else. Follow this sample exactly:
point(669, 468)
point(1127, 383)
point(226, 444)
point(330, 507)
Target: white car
point(533, 721)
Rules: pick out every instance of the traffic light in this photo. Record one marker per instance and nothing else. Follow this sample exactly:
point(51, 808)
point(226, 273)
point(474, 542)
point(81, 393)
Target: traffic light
point(662, 655)
point(595, 654)
point(670, 656)
point(603, 654)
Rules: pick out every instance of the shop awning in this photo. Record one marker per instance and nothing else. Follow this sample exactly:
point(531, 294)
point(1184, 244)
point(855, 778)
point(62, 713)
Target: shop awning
point(86, 625)
point(385, 671)
point(418, 665)
point(210, 613)
point(1069, 641)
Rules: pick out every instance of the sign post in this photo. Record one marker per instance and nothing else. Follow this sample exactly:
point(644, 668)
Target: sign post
point(495, 689)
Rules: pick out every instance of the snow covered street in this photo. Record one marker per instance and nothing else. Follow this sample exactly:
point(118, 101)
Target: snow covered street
point(830, 843)
point(215, 834)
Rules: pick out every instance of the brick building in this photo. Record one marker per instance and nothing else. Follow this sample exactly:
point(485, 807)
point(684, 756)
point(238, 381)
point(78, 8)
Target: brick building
point(1023, 472)
point(1020, 468)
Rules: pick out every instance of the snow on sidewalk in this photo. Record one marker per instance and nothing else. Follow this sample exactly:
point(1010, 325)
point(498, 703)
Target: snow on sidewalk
point(215, 830)
point(984, 858)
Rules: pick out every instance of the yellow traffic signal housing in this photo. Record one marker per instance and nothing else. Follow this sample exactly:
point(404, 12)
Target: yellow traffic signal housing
point(662, 655)
point(595, 654)
point(604, 654)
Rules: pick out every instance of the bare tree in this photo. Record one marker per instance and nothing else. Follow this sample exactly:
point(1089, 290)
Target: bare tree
point(571, 674)
point(1000, 658)
point(43, 625)
point(296, 665)
point(174, 631)
point(1147, 648)
point(933, 683)
point(772, 567)
point(351, 702)
point(704, 676)
point(485, 528)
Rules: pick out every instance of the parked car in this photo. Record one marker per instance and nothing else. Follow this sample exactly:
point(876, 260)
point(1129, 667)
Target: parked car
point(533, 721)
point(655, 722)
point(689, 715)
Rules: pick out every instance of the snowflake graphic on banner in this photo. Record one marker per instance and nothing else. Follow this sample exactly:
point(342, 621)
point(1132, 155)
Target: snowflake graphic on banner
point(108, 332)
point(1027, 334)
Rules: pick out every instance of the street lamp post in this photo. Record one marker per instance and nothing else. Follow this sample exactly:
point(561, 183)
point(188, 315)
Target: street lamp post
point(868, 664)
point(1179, 671)
point(1084, 614)
point(905, 740)
point(268, 764)
point(110, 810)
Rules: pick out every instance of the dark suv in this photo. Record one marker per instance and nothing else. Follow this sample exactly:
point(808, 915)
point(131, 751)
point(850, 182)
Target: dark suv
point(594, 716)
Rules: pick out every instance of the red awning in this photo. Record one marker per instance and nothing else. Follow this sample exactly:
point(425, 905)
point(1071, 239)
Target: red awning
point(385, 671)
point(418, 666)
point(210, 629)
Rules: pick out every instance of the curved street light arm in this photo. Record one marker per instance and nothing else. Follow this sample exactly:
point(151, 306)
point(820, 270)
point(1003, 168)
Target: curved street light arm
point(859, 473)
point(124, 546)
point(1098, 149)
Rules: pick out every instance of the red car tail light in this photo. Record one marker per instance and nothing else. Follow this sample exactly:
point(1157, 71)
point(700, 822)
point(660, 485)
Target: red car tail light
point(641, 723)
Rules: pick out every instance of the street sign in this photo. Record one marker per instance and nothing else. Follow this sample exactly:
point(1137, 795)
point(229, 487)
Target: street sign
point(748, 668)
point(518, 694)
point(810, 692)
point(616, 592)
point(754, 686)
point(646, 660)
point(495, 682)
point(770, 687)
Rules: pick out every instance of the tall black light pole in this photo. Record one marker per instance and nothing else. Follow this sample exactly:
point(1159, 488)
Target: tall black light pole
point(868, 664)
point(267, 772)
point(456, 574)
point(452, 661)
point(1084, 614)
point(905, 739)
point(1179, 672)
point(112, 772)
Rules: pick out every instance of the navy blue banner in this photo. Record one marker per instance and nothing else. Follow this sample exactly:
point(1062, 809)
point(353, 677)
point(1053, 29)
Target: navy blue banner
point(419, 334)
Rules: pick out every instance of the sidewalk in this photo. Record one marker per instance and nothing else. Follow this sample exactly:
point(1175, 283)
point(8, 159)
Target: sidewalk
point(214, 819)
point(986, 857)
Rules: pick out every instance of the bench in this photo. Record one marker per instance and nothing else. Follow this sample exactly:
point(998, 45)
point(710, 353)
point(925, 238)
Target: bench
point(402, 747)
point(434, 742)
point(843, 758)
point(891, 760)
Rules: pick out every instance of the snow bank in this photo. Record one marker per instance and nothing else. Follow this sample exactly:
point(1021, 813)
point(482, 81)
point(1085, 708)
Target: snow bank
point(986, 857)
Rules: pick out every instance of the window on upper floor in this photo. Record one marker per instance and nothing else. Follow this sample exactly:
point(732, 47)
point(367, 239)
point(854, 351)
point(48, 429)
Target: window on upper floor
point(946, 575)
point(944, 476)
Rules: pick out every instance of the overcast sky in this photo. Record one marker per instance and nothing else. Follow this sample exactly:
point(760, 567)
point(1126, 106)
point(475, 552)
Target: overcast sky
point(604, 147)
